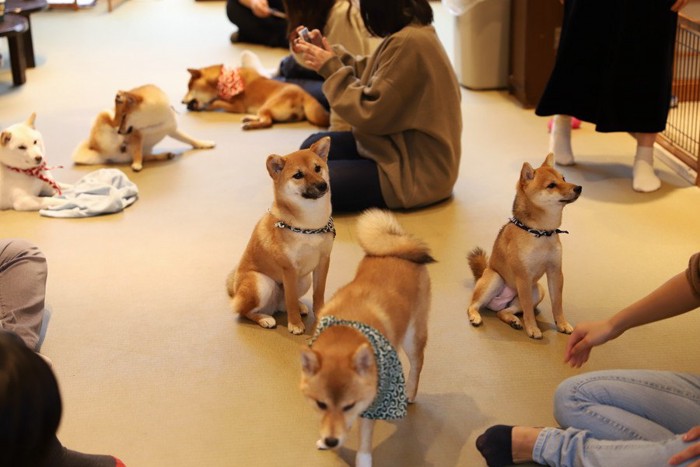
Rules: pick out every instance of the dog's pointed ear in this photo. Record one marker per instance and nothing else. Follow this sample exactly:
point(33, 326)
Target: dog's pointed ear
point(310, 362)
point(527, 173)
point(322, 147)
point(30, 121)
point(549, 160)
point(5, 138)
point(194, 72)
point(275, 165)
point(363, 359)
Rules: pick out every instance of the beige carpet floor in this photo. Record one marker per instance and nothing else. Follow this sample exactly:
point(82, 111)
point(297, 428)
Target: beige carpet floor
point(152, 365)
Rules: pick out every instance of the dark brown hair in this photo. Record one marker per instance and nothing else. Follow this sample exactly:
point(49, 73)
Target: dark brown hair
point(383, 18)
point(312, 14)
point(30, 404)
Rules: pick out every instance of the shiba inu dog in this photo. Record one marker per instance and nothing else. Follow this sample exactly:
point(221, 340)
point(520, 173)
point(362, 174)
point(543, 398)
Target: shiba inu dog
point(26, 183)
point(244, 90)
point(290, 244)
point(351, 368)
point(142, 117)
point(525, 249)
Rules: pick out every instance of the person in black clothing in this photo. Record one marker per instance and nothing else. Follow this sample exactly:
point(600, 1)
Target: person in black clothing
point(259, 22)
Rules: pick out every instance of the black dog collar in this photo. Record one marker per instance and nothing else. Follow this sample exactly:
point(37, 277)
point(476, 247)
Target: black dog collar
point(329, 228)
point(537, 233)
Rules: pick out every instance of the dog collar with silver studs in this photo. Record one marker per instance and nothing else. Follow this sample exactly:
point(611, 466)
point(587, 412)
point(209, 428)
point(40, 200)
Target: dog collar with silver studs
point(536, 232)
point(328, 228)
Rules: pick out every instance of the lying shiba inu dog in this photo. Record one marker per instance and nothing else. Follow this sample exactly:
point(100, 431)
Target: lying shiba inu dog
point(351, 369)
point(244, 90)
point(289, 244)
point(525, 249)
point(26, 184)
point(142, 117)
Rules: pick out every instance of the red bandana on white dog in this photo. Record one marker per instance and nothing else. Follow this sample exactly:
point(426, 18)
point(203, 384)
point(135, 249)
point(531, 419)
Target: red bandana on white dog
point(230, 83)
point(38, 172)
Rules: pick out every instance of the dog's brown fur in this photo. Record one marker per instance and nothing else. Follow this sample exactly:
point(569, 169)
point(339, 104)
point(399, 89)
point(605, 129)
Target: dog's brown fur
point(269, 100)
point(276, 266)
point(391, 293)
point(519, 258)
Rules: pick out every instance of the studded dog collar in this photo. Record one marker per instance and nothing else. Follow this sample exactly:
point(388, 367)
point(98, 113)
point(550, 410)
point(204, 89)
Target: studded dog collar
point(536, 232)
point(329, 228)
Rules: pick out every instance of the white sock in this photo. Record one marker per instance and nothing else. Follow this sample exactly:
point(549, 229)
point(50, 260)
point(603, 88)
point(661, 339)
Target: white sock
point(560, 140)
point(643, 177)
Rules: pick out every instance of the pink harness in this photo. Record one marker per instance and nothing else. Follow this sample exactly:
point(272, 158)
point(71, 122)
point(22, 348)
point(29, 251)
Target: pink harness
point(230, 83)
point(38, 172)
point(502, 299)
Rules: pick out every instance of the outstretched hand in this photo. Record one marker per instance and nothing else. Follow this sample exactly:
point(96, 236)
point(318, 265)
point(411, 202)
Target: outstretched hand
point(678, 4)
point(314, 53)
point(584, 338)
point(691, 452)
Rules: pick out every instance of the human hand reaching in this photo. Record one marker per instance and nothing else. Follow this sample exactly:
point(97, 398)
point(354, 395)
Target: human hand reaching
point(678, 4)
point(586, 336)
point(260, 8)
point(314, 52)
point(691, 452)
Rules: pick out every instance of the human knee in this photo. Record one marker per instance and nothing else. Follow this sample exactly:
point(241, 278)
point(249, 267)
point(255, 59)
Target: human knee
point(18, 248)
point(567, 400)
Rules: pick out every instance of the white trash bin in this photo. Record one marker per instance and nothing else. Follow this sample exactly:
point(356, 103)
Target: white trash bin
point(482, 42)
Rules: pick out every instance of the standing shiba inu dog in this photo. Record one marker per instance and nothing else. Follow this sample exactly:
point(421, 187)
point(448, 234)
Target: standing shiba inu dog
point(26, 184)
point(142, 117)
point(525, 249)
point(244, 90)
point(352, 369)
point(289, 244)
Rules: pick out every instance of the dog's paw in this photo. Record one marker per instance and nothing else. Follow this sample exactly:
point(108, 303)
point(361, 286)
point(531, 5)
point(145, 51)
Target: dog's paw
point(565, 328)
point(296, 329)
point(267, 322)
point(363, 459)
point(204, 144)
point(136, 167)
point(515, 323)
point(534, 333)
point(475, 319)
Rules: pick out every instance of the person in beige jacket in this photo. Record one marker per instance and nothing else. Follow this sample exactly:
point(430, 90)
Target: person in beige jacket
point(340, 23)
point(403, 104)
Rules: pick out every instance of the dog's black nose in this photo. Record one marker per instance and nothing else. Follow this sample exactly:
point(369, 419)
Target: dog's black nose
point(38, 158)
point(322, 187)
point(192, 105)
point(578, 189)
point(331, 442)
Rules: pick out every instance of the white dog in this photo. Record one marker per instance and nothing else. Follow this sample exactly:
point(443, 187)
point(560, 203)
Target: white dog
point(26, 183)
point(142, 117)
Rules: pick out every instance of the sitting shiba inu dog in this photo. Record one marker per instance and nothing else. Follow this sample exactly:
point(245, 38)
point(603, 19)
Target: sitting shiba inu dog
point(244, 90)
point(289, 244)
point(525, 249)
point(352, 369)
point(142, 117)
point(26, 183)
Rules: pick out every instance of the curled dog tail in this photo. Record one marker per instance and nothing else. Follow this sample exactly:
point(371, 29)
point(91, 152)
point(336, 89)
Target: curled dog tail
point(478, 261)
point(380, 234)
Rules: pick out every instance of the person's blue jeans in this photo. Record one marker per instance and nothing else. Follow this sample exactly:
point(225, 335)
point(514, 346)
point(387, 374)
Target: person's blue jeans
point(620, 417)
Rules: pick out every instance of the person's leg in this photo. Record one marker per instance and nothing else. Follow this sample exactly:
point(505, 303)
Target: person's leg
point(629, 404)
point(578, 448)
point(23, 274)
point(644, 178)
point(560, 140)
point(354, 179)
point(270, 31)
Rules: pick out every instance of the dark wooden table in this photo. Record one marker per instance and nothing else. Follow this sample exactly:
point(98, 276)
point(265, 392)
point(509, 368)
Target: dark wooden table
point(25, 8)
point(15, 27)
